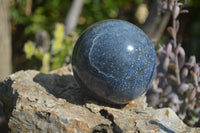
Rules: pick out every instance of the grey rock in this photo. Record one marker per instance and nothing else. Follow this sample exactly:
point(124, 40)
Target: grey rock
point(53, 102)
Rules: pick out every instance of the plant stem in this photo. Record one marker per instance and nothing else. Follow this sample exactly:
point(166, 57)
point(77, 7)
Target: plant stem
point(177, 71)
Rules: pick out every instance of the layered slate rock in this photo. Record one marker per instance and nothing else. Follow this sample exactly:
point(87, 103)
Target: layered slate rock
point(53, 102)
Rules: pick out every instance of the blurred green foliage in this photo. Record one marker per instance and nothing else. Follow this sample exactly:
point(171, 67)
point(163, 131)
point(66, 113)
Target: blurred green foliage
point(61, 47)
point(39, 14)
point(56, 56)
point(194, 3)
point(32, 16)
point(97, 10)
point(43, 14)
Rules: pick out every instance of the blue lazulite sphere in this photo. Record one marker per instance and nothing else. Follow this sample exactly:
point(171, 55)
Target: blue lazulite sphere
point(114, 61)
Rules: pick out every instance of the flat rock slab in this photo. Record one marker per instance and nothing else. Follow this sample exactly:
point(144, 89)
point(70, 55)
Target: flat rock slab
point(53, 102)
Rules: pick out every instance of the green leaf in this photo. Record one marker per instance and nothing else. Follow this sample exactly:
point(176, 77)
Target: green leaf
point(29, 49)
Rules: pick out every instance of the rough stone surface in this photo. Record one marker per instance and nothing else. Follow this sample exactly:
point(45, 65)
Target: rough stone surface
point(37, 102)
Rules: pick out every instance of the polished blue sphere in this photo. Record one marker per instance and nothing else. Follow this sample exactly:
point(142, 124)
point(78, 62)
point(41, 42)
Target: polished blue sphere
point(114, 61)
